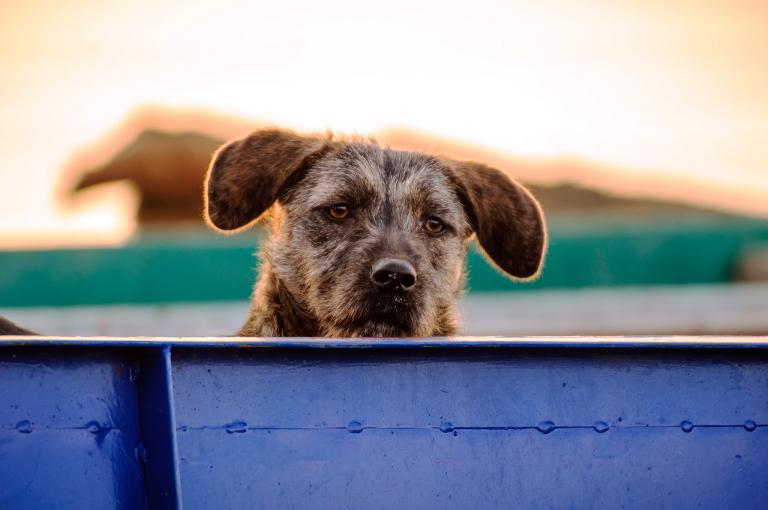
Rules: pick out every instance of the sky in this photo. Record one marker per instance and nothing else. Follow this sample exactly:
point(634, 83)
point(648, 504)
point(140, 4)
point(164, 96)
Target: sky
point(676, 89)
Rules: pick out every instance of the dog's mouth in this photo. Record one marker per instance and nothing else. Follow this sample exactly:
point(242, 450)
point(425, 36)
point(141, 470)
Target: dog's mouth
point(384, 315)
point(391, 305)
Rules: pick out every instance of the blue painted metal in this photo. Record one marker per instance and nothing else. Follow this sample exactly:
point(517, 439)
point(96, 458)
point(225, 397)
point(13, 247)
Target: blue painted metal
point(312, 423)
point(68, 429)
point(633, 342)
point(157, 452)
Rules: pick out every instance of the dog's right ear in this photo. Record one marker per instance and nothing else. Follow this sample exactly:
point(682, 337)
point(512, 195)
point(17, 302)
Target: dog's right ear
point(247, 176)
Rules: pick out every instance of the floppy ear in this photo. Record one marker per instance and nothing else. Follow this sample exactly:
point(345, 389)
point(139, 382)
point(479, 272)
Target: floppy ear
point(247, 176)
point(506, 218)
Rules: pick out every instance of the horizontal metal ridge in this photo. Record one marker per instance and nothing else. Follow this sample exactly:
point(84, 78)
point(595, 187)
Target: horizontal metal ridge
point(695, 342)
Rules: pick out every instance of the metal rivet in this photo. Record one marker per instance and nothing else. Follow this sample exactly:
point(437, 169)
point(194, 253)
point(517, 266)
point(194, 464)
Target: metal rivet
point(686, 426)
point(750, 425)
point(141, 453)
point(355, 427)
point(446, 426)
point(545, 427)
point(237, 427)
point(24, 426)
point(600, 427)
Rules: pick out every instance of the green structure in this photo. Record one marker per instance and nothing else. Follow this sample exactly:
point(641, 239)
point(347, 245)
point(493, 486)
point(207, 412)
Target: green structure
point(194, 266)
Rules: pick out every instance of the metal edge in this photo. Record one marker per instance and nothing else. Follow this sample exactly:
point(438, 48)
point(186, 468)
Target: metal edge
point(666, 342)
point(157, 418)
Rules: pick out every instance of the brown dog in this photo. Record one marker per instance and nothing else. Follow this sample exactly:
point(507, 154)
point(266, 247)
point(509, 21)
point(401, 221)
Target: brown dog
point(365, 240)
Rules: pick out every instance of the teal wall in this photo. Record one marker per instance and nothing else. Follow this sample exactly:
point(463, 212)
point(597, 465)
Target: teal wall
point(200, 266)
point(614, 254)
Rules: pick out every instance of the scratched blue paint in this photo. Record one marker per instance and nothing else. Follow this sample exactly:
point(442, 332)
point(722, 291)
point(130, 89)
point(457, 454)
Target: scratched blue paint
point(299, 423)
point(473, 429)
point(68, 430)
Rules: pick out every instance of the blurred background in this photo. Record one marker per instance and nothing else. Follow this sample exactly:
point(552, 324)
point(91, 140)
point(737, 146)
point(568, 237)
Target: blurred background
point(641, 126)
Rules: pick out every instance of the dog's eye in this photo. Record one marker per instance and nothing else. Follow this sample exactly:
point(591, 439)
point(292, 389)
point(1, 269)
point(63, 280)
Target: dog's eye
point(338, 211)
point(434, 226)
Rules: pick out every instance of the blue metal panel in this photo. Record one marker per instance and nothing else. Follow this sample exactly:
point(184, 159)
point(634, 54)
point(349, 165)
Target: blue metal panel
point(424, 469)
point(68, 430)
point(464, 423)
point(485, 428)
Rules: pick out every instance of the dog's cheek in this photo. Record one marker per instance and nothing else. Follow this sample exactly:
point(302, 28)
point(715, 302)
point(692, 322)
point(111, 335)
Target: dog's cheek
point(442, 283)
point(351, 291)
point(297, 255)
point(336, 263)
point(446, 263)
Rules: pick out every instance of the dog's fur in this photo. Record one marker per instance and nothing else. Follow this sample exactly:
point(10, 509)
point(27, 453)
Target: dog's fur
point(9, 328)
point(316, 270)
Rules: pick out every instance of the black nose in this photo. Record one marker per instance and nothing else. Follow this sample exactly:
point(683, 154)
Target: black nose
point(393, 274)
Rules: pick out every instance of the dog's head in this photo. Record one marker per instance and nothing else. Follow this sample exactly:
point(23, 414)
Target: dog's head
point(371, 241)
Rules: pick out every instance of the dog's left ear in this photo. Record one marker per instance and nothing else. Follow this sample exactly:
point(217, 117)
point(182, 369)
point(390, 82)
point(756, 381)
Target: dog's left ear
point(247, 176)
point(506, 218)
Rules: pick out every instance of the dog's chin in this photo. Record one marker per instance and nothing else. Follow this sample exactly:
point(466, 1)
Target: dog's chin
point(382, 329)
point(382, 317)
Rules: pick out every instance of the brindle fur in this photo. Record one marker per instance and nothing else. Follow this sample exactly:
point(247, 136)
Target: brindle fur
point(9, 328)
point(315, 271)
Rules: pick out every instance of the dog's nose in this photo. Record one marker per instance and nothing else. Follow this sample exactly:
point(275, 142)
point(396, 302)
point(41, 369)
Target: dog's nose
point(393, 274)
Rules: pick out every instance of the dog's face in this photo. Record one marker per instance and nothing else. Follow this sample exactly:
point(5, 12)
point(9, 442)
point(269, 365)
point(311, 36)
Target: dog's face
point(372, 241)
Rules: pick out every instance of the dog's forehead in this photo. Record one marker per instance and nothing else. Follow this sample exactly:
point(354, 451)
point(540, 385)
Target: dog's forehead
point(369, 168)
point(384, 163)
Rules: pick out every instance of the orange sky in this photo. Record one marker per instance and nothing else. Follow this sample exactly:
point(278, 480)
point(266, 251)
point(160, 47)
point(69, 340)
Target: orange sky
point(674, 87)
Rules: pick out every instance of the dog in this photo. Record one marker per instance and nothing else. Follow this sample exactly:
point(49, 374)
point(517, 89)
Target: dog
point(9, 328)
point(366, 241)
